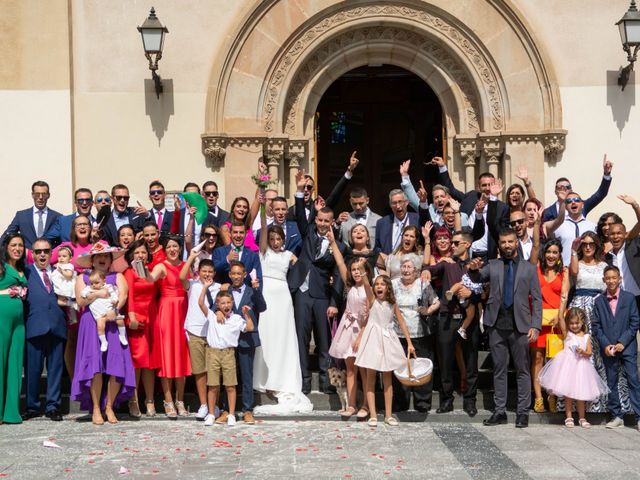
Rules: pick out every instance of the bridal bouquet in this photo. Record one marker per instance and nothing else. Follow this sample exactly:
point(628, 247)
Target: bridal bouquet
point(262, 180)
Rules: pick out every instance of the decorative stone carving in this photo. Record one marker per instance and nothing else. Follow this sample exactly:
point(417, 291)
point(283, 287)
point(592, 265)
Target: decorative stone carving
point(461, 40)
point(469, 153)
point(554, 145)
point(214, 150)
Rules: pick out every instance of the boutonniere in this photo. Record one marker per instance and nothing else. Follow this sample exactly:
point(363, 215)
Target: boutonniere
point(330, 250)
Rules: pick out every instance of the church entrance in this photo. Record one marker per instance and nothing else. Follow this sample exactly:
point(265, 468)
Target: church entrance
point(388, 115)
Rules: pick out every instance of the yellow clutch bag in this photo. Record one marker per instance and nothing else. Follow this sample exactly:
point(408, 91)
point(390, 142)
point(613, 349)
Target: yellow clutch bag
point(548, 314)
point(554, 344)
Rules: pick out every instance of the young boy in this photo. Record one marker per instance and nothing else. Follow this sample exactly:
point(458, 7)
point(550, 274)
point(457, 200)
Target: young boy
point(222, 339)
point(244, 295)
point(196, 324)
point(615, 325)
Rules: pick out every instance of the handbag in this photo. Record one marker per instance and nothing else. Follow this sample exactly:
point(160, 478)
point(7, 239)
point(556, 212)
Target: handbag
point(555, 344)
point(548, 314)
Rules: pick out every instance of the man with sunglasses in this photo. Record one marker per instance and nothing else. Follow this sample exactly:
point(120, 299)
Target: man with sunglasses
point(574, 225)
point(122, 214)
point(211, 194)
point(61, 230)
point(518, 222)
point(158, 213)
point(45, 332)
point(36, 221)
point(564, 185)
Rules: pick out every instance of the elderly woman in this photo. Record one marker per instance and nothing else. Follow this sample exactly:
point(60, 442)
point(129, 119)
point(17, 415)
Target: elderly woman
point(414, 298)
point(12, 280)
point(141, 315)
point(91, 364)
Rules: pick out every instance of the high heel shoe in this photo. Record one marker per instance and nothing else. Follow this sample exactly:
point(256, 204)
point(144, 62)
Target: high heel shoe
point(182, 411)
point(170, 410)
point(538, 405)
point(151, 408)
point(134, 409)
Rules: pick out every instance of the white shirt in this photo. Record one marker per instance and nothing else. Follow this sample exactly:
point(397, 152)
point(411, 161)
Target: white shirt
point(628, 282)
point(155, 215)
point(482, 244)
point(566, 233)
point(36, 218)
point(323, 249)
point(398, 227)
point(120, 219)
point(237, 295)
point(257, 224)
point(49, 271)
point(526, 246)
point(196, 321)
point(362, 220)
point(224, 335)
point(196, 238)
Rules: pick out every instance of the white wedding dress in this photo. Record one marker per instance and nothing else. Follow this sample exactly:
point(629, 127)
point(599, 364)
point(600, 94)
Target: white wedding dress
point(276, 365)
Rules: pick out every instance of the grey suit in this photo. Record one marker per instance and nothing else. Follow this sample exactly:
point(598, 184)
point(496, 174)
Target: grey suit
point(527, 314)
point(345, 227)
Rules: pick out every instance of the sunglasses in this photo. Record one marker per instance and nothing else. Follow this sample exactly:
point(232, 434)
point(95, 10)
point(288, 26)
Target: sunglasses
point(121, 198)
point(309, 187)
point(563, 187)
point(519, 221)
point(209, 235)
point(84, 201)
point(211, 194)
point(82, 225)
point(589, 244)
point(103, 199)
point(38, 251)
point(569, 201)
point(154, 192)
point(455, 243)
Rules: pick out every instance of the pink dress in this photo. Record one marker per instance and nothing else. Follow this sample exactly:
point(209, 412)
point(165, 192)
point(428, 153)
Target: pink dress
point(350, 324)
point(571, 375)
point(380, 348)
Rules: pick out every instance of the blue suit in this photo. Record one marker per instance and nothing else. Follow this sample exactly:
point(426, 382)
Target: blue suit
point(61, 230)
point(293, 240)
point(250, 259)
point(247, 343)
point(111, 231)
point(610, 329)
point(46, 332)
point(384, 231)
point(23, 223)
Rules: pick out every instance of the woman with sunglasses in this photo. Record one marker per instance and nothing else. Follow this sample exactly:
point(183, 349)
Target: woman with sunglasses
point(210, 234)
point(587, 268)
point(12, 281)
point(240, 212)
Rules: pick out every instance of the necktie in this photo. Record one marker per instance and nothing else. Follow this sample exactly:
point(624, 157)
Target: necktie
point(319, 246)
point(398, 234)
point(45, 278)
point(40, 230)
point(508, 285)
point(575, 224)
point(210, 299)
point(159, 222)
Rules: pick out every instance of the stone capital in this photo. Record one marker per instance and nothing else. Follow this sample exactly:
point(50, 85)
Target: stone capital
point(214, 148)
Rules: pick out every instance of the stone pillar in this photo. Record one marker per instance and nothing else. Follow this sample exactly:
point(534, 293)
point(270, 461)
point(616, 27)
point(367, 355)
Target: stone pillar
point(274, 157)
point(492, 149)
point(297, 159)
point(469, 154)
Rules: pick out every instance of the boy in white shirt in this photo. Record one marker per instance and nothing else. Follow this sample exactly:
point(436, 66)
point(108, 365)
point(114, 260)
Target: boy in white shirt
point(221, 355)
point(196, 324)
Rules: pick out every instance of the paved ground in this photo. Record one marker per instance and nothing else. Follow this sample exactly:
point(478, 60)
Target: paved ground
point(320, 448)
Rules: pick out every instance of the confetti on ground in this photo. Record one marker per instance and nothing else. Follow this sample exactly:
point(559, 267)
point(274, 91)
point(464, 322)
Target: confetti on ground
point(50, 444)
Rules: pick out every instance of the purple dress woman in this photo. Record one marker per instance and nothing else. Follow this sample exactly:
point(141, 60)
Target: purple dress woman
point(116, 361)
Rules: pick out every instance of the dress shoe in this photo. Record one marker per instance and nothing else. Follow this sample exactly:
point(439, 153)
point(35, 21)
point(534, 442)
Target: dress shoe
point(29, 414)
point(54, 415)
point(470, 408)
point(327, 388)
point(495, 419)
point(522, 421)
point(445, 407)
point(248, 419)
point(306, 387)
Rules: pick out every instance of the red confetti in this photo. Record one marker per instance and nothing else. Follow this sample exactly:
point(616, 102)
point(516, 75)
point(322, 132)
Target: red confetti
point(177, 449)
point(238, 472)
point(338, 448)
point(199, 434)
point(348, 475)
point(68, 470)
point(187, 449)
point(91, 461)
point(202, 455)
point(380, 456)
point(4, 474)
point(344, 456)
point(386, 473)
point(155, 471)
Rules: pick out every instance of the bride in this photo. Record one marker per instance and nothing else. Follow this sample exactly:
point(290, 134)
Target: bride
point(276, 367)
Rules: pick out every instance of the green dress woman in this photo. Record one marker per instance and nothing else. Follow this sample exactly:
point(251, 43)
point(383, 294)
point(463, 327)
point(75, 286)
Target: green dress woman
point(11, 327)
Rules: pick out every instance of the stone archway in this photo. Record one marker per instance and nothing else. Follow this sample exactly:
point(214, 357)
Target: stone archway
point(499, 103)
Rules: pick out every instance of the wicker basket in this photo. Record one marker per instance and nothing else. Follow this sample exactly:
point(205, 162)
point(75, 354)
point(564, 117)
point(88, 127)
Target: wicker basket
point(423, 368)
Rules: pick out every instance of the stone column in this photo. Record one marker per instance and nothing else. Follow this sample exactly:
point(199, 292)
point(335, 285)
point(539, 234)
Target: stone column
point(273, 157)
point(492, 149)
point(297, 156)
point(469, 154)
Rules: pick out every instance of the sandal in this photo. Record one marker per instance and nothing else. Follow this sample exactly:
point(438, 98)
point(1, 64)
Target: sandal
point(583, 423)
point(391, 421)
point(372, 422)
point(151, 408)
point(363, 412)
point(538, 405)
point(134, 409)
point(347, 412)
point(170, 410)
point(181, 410)
point(569, 423)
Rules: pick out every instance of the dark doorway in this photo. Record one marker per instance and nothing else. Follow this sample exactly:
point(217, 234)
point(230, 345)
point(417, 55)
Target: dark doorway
point(388, 115)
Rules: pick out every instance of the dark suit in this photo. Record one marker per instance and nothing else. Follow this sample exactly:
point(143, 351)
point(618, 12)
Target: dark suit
point(311, 305)
point(45, 332)
point(110, 230)
point(331, 201)
point(527, 314)
point(610, 329)
point(247, 343)
point(632, 255)
point(384, 231)
point(167, 219)
point(218, 219)
point(250, 259)
point(551, 212)
point(293, 240)
point(61, 230)
point(23, 223)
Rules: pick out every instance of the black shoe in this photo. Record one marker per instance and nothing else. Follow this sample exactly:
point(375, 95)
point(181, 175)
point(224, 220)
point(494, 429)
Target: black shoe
point(445, 407)
point(306, 387)
point(522, 421)
point(54, 415)
point(327, 388)
point(495, 419)
point(423, 408)
point(29, 414)
point(470, 408)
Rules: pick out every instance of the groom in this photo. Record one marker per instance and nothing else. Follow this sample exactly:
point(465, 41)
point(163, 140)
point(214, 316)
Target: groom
point(315, 297)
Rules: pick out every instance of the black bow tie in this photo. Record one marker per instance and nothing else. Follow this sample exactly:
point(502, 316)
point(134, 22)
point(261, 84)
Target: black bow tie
point(359, 216)
point(236, 289)
point(613, 297)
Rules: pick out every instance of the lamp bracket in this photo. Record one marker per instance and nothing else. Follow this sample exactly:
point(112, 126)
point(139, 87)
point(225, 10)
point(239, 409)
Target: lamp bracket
point(625, 72)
